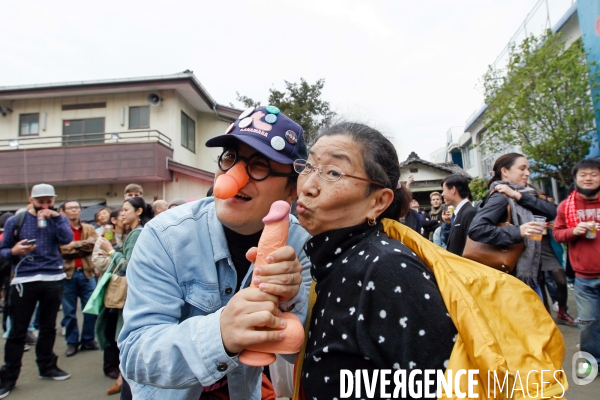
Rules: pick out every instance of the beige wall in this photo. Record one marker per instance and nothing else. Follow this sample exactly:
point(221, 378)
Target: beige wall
point(207, 126)
point(112, 194)
point(426, 173)
point(159, 116)
point(166, 118)
point(186, 187)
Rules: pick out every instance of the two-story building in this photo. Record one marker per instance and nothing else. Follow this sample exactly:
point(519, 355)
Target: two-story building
point(90, 139)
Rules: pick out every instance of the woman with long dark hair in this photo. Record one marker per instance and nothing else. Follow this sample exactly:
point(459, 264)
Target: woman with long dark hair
point(135, 213)
point(507, 186)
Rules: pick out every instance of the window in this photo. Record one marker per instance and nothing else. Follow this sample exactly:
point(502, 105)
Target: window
point(29, 124)
point(468, 155)
point(139, 117)
point(413, 170)
point(82, 132)
point(188, 133)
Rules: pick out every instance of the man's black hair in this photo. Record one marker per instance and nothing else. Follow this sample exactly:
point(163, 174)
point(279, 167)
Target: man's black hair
point(460, 183)
point(62, 206)
point(592, 163)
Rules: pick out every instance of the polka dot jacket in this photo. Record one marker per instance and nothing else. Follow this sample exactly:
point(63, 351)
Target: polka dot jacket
point(378, 307)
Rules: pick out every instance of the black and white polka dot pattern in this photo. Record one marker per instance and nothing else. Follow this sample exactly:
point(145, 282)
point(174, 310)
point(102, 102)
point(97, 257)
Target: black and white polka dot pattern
point(379, 307)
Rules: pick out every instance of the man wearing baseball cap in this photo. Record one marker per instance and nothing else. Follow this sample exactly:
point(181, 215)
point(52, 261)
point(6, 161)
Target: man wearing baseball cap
point(187, 315)
point(31, 243)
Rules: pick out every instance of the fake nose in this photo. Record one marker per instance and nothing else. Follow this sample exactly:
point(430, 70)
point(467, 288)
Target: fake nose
point(228, 184)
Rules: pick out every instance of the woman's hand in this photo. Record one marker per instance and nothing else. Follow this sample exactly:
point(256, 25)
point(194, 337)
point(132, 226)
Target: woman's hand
point(531, 228)
point(105, 244)
point(447, 217)
point(245, 314)
point(282, 276)
point(508, 191)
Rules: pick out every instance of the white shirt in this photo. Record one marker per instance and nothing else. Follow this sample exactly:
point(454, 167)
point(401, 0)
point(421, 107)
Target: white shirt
point(459, 206)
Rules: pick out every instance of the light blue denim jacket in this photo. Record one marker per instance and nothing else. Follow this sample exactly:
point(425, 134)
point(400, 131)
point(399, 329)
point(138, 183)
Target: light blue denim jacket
point(179, 278)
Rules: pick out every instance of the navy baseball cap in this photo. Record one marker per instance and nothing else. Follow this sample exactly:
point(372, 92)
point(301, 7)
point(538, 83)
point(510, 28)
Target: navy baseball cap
point(268, 131)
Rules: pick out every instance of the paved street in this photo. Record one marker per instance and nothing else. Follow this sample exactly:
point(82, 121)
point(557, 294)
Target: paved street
point(89, 383)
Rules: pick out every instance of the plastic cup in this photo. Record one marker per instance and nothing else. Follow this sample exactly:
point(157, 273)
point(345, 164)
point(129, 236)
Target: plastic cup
point(591, 232)
point(451, 209)
point(542, 222)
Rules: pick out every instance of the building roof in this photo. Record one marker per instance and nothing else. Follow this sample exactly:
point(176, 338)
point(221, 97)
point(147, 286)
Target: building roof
point(185, 83)
point(451, 168)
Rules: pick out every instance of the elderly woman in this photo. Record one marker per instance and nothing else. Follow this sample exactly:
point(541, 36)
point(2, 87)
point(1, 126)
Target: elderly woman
point(378, 306)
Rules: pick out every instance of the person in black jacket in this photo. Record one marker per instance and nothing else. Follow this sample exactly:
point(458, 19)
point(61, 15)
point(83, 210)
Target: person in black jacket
point(433, 219)
point(454, 230)
point(509, 185)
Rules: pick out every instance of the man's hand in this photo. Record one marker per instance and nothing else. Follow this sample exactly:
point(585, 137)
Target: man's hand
point(410, 180)
point(581, 228)
point(21, 248)
point(47, 213)
point(245, 314)
point(91, 240)
point(282, 276)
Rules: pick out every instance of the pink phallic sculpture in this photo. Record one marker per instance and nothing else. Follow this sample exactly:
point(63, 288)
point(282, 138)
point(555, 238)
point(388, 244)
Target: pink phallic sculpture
point(273, 237)
point(228, 184)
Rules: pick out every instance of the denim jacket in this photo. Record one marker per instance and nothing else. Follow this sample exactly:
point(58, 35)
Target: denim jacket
point(180, 277)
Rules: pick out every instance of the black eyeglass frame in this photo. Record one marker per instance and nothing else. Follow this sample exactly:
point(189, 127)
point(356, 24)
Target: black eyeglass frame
point(247, 160)
point(306, 170)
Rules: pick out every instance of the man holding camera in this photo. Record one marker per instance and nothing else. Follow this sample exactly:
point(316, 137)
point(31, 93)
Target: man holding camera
point(189, 311)
point(31, 242)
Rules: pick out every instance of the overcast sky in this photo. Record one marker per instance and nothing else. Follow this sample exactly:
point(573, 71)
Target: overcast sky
point(410, 68)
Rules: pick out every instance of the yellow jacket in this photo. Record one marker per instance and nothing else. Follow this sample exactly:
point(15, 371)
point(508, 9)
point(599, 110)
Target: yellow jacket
point(502, 324)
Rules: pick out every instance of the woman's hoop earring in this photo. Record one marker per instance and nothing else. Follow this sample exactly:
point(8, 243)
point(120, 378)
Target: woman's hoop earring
point(371, 222)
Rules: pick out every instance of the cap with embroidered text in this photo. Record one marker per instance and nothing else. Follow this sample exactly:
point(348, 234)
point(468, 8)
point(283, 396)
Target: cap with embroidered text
point(268, 131)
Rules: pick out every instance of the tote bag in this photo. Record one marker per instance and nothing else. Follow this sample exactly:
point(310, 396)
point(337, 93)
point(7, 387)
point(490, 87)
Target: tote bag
point(96, 301)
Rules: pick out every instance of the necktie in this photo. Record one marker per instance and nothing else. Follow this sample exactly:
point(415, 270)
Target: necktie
point(452, 221)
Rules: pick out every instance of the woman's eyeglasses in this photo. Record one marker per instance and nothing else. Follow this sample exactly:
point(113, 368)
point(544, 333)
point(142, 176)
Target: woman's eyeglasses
point(258, 166)
point(329, 173)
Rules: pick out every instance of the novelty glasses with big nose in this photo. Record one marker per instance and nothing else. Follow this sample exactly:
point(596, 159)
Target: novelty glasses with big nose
point(258, 166)
point(329, 173)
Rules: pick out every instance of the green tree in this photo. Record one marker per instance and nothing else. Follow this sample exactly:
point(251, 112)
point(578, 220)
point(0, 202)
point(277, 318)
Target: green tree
point(301, 102)
point(479, 188)
point(542, 103)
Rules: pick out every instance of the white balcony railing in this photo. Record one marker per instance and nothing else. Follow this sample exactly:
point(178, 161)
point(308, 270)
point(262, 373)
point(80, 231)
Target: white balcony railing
point(84, 139)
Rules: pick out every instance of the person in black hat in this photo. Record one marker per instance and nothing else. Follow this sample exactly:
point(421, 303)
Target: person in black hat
point(187, 314)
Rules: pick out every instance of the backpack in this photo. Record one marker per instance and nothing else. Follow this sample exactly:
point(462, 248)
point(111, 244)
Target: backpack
point(19, 220)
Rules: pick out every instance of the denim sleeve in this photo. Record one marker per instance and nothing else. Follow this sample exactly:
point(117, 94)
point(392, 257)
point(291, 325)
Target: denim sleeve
point(445, 233)
point(156, 348)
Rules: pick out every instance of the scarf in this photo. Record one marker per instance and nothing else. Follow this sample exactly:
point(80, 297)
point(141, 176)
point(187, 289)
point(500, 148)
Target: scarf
point(571, 211)
point(435, 212)
point(528, 265)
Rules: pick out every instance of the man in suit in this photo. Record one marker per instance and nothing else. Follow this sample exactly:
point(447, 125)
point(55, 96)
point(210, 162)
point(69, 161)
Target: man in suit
point(456, 193)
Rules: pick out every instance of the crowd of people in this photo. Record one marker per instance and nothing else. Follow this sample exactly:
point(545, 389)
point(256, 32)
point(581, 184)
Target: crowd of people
point(59, 259)
point(365, 286)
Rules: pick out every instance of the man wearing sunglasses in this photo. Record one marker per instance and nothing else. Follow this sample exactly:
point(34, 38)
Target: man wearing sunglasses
point(187, 314)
